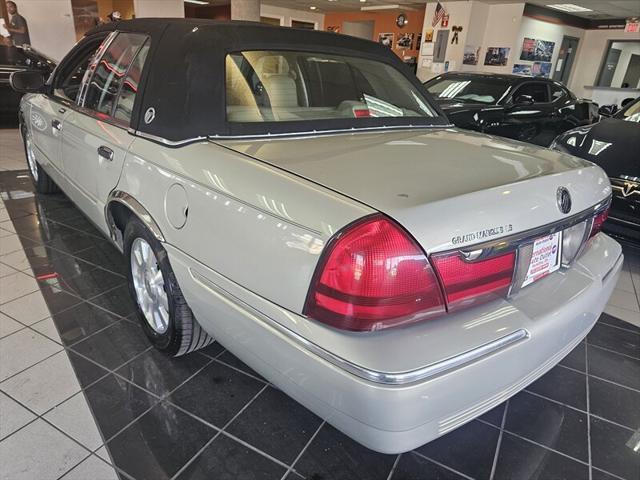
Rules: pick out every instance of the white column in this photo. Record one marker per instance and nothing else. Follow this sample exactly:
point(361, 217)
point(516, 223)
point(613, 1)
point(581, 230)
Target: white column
point(245, 10)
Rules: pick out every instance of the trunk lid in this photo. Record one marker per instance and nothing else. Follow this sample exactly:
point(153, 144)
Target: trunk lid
point(449, 188)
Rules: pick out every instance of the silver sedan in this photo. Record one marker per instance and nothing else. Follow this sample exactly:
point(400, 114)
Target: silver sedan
point(300, 198)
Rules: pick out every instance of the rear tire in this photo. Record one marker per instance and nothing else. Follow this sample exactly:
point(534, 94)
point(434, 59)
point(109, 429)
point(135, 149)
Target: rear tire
point(162, 310)
point(41, 180)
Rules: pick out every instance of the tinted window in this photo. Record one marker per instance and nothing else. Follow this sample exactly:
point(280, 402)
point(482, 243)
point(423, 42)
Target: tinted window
point(467, 89)
point(12, 56)
point(269, 86)
point(558, 93)
point(537, 91)
point(110, 72)
point(130, 84)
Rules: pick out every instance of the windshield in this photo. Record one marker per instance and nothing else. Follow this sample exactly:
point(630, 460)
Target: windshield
point(467, 89)
point(631, 113)
point(273, 86)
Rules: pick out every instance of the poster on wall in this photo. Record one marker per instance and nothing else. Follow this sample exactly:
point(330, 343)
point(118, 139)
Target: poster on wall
point(522, 69)
point(428, 35)
point(406, 41)
point(386, 39)
point(445, 21)
point(536, 50)
point(497, 56)
point(471, 55)
point(541, 69)
point(427, 49)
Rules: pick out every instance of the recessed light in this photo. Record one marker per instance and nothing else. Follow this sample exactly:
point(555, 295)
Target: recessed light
point(569, 7)
point(312, 7)
point(197, 2)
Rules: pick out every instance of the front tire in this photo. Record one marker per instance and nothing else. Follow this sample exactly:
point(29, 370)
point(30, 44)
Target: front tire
point(41, 180)
point(163, 312)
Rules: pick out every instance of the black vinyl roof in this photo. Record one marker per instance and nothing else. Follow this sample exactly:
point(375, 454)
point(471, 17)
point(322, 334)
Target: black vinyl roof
point(184, 77)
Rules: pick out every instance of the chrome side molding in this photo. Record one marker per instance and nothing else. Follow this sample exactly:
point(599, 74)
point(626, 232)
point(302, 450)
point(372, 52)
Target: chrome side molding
point(375, 376)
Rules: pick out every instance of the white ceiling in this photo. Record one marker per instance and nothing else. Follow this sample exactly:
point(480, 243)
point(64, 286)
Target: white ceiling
point(602, 9)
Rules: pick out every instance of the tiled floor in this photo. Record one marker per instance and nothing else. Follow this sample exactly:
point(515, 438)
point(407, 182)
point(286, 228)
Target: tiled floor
point(83, 396)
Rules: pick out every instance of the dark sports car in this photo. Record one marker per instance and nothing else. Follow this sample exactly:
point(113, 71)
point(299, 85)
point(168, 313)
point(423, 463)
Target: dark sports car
point(530, 109)
point(13, 59)
point(613, 144)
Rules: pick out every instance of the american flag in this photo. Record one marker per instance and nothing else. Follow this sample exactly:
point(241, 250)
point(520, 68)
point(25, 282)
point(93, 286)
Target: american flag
point(439, 13)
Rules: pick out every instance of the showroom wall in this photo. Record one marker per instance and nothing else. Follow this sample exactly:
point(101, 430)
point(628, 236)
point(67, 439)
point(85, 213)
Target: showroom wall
point(384, 22)
point(159, 8)
point(287, 15)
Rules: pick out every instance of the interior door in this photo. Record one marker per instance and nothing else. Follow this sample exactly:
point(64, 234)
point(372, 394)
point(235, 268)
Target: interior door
point(568, 50)
point(632, 76)
point(609, 67)
point(96, 139)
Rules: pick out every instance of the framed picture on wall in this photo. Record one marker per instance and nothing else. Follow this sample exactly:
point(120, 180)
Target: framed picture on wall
point(405, 41)
point(534, 50)
point(386, 39)
point(541, 69)
point(522, 69)
point(497, 56)
point(471, 55)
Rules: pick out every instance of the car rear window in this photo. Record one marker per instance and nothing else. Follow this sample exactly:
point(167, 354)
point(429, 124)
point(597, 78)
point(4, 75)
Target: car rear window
point(273, 86)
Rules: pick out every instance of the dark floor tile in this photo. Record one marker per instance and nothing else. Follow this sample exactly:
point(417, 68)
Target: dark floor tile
point(80, 321)
point(614, 367)
point(615, 403)
point(468, 449)
point(115, 345)
point(276, 424)
point(600, 475)
point(616, 322)
point(521, 460)
point(212, 350)
point(334, 456)
point(494, 416)
point(564, 386)
point(216, 394)
point(413, 467)
point(612, 449)
point(550, 424)
point(576, 358)
point(117, 300)
point(616, 339)
point(86, 371)
point(56, 297)
point(91, 283)
point(233, 361)
point(115, 403)
point(160, 373)
point(159, 443)
point(105, 256)
point(226, 459)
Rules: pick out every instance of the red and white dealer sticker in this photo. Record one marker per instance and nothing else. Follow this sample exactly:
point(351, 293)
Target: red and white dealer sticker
point(545, 258)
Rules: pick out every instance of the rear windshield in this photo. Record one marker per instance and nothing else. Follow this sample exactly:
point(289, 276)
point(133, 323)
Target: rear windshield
point(467, 89)
point(276, 86)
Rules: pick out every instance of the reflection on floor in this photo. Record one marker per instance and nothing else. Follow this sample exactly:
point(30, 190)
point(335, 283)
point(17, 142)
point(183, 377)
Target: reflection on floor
point(83, 396)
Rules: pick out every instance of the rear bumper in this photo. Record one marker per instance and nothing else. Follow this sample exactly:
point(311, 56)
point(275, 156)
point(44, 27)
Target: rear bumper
point(394, 418)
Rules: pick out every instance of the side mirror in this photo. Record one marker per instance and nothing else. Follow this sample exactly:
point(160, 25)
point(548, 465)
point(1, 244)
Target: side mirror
point(607, 110)
point(27, 81)
point(523, 101)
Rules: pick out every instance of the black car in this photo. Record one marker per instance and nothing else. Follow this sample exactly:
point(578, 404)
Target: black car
point(530, 109)
point(613, 144)
point(13, 59)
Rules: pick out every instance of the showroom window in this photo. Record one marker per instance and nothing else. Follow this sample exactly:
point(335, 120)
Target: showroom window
point(537, 91)
point(110, 71)
point(268, 86)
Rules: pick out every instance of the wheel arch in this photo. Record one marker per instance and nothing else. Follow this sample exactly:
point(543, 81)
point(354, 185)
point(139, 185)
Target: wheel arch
point(120, 206)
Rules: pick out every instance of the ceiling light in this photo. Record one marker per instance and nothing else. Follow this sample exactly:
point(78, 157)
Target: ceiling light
point(197, 2)
point(569, 7)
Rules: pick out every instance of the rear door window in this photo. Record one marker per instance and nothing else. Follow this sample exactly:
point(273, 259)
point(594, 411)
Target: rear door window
point(110, 71)
point(129, 89)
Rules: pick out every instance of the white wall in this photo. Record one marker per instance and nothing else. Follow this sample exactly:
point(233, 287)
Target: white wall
point(359, 29)
point(482, 25)
point(50, 24)
point(628, 49)
point(551, 32)
point(592, 51)
point(159, 8)
point(286, 15)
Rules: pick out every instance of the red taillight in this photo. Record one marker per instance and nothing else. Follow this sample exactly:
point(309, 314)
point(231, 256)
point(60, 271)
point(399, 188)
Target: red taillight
point(598, 221)
point(373, 276)
point(361, 112)
point(467, 283)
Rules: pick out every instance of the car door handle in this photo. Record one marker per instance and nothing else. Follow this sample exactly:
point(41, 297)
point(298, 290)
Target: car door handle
point(56, 124)
point(105, 152)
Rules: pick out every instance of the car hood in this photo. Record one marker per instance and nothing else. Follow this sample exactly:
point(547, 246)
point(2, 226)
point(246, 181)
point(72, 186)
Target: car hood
point(419, 176)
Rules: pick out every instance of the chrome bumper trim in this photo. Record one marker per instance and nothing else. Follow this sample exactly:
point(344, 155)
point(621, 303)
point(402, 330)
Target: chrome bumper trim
point(375, 376)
